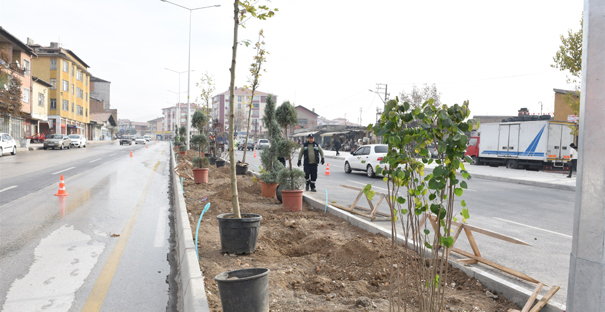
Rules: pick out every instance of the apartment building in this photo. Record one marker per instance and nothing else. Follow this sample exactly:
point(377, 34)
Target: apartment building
point(220, 109)
point(171, 122)
point(156, 128)
point(69, 95)
point(16, 57)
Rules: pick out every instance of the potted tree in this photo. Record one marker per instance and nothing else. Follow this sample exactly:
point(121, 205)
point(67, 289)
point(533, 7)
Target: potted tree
point(199, 121)
point(269, 156)
point(200, 141)
point(182, 148)
point(200, 170)
point(291, 192)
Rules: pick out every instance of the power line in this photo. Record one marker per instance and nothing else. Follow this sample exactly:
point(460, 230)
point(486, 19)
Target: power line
point(482, 79)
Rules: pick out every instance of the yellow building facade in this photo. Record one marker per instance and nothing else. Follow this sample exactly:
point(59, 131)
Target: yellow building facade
point(69, 96)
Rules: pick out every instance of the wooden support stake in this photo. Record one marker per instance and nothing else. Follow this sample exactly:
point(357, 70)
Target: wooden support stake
point(495, 265)
point(471, 240)
point(356, 200)
point(532, 298)
point(455, 236)
point(551, 292)
point(377, 204)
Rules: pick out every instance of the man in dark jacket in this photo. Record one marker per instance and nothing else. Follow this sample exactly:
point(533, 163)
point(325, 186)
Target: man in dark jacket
point(337, 146)
point(313, 156)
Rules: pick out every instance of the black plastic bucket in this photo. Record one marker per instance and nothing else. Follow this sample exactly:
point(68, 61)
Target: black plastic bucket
point(278, 193)
point(240, 170)
point(244, 290)
point(238, 236)
point(220, 163)
point(212, 160)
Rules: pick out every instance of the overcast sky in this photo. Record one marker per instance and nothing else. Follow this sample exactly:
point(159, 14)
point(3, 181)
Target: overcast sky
point(323, 54)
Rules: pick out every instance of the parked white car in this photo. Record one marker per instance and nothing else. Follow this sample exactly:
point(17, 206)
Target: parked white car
point(77, 140)
point(140, 140)
point(7, 144)
point(262, 143)
point(366, 158)
point(147, 138)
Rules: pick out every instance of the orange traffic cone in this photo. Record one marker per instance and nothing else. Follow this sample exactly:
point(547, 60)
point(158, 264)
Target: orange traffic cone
point(130, 153)
point(146, 145)
point(327, 169)
point(254, 154)
point(61, 191)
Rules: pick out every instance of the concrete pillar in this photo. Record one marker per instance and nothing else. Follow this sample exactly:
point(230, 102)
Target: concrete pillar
point(586, 286)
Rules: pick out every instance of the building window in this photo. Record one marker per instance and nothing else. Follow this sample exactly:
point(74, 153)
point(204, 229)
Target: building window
point(80, 93)
point(255, 105)
point(86, 96)
point(87, 112)
point(53, 84)
point(256, 98)
point(87, 79)
point(26, 67)
point(79, 75)
point(239, 106)
point(66, 66)
point(53, 103)
point(72, 107)
point(65, 105)
point(239, 98)
point(302, 121)
point(65, 86)
point(73, 70)
point(80, 111)
point(40, 99)
point(53, 64)
point(25, 95)
point(72, 90)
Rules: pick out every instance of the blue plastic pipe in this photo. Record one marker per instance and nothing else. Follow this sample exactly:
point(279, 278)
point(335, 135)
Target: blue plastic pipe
point(198, 228)
point(326, 210)
point(182, 188)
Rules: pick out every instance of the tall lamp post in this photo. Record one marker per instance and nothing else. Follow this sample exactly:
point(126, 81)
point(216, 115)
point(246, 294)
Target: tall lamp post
point(189, 63)
point(178, 105)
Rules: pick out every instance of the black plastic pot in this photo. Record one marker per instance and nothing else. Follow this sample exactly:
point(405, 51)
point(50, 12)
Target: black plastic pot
point(278, 193)
point(212, 160)
point(244, 290)
point(220, 163)
point(238, 236)
point(240, 169)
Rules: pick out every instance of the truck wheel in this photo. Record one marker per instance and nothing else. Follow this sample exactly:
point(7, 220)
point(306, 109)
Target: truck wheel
point(475, 160)
point(512, 164)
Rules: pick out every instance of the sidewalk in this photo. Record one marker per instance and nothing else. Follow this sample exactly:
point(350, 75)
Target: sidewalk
point(533, 178)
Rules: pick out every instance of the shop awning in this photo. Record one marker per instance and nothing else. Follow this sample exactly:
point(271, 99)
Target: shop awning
point(329, 134)
point(304, 134)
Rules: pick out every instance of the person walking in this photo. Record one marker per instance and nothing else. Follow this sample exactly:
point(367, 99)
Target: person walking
point(313, 156)
point(337, 146)
point(574, 158)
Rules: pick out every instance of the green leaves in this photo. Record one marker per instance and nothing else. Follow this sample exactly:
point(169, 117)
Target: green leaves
point(468, 159)
point(427, 245)
point(463, 185)
point(446, 241)
point(458, 192)
point(465, 214)
point(367, 191)
point(427, 232)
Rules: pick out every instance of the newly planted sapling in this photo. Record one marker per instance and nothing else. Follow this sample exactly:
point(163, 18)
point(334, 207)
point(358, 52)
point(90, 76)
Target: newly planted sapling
point(425, 200)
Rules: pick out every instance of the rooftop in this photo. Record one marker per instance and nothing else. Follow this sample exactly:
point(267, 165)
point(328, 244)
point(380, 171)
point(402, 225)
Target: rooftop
point(5, 36)
point(310, 111)
point(242, 91)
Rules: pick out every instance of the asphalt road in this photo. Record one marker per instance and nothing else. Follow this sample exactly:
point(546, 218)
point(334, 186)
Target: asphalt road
point(542, 217)
point(104, 247)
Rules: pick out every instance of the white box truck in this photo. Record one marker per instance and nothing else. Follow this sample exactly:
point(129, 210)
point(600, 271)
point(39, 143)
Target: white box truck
point(538, 145)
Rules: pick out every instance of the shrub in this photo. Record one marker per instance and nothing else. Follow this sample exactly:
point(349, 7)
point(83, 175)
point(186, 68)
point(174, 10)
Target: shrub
point(291, 179)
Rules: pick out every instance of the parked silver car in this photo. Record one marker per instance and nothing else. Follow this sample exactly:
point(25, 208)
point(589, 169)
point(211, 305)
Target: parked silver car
point(7, 143)
point(262, 143)
point(59, 141)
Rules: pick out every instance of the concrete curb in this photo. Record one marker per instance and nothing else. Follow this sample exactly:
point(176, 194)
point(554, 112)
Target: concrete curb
point(192, 291)
point(525, 182)
point(512, 292)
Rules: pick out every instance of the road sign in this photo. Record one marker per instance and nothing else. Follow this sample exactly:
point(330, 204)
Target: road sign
point(572, 118)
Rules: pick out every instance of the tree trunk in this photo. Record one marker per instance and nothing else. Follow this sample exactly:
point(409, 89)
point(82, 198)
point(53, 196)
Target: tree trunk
point(234, 195)
point(248, 128)
point(289, 157)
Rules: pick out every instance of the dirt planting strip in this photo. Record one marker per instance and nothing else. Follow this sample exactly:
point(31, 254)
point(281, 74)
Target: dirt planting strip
point(318, 262)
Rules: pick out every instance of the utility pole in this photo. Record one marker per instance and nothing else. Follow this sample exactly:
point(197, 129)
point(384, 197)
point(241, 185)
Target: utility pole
point(360, 111)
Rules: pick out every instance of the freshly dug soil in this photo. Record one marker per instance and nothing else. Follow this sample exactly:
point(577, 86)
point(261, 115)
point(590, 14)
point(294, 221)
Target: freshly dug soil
point(318, 262)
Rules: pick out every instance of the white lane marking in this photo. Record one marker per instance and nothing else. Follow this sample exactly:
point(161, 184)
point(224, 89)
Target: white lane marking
point(364, 184)
point(111, 154)
point(533, 227)
point(8, 188)
point(62, 261)
point(95, 160)
point(160, 229)
point(63, 170)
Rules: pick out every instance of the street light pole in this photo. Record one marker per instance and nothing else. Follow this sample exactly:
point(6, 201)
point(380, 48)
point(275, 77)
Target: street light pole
point(189, 64)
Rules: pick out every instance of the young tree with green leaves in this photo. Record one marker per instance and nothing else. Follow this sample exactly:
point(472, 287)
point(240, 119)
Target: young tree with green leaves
point(255, 71)
point(414, 195)
point(286, 117)
point(207, 87)
point(569, 58)
point(250, 9)
point(10, 86)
